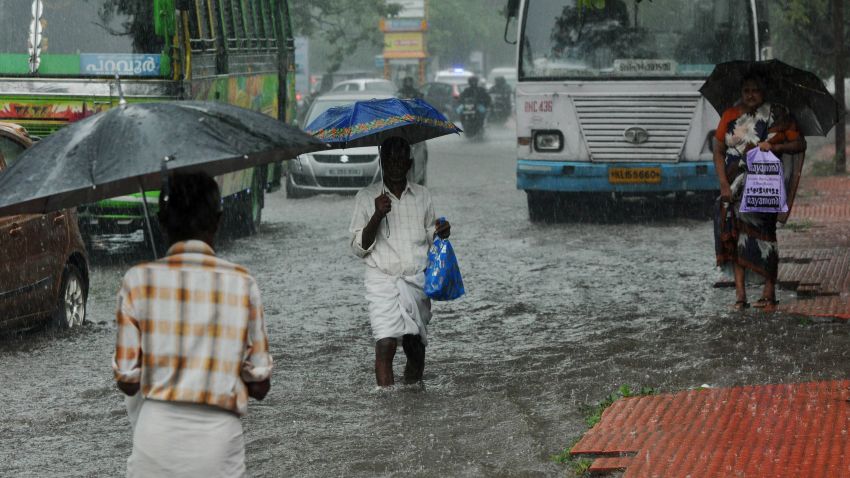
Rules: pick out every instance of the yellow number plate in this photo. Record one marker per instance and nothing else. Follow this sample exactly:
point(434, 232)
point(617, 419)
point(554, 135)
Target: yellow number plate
point(634, 175)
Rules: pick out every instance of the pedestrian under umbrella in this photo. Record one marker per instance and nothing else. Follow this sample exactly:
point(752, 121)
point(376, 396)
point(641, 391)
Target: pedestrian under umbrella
point(747, 241)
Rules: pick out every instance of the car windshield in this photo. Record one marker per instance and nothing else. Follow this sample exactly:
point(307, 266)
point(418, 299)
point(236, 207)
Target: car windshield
point(453, 79)
point(382, 86)
point(629, 38)
point(320, 106)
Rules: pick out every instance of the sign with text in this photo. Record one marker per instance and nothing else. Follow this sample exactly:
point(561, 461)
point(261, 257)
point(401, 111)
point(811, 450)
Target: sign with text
point(124, 64)
point(639, 67)
point(764, 189)
point(411, 8)
point(404, 45)
point(403, 25)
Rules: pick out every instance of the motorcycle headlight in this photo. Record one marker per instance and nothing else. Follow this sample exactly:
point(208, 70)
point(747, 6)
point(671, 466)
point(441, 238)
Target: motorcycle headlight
point(548, 141)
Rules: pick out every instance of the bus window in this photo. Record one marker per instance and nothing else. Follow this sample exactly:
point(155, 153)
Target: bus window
point(259, 16)
point(81, 27)
point(271, 23)
point(251, 24)
point(627, 38)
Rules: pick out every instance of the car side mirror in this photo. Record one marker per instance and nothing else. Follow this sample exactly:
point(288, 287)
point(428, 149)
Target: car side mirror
point(511, 12)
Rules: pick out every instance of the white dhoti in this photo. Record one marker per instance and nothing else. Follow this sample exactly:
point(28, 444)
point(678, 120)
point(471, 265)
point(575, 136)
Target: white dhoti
point(397, 305)
point(186, 440)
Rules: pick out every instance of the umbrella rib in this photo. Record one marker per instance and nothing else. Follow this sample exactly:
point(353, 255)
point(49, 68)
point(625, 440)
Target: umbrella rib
point(794, 83)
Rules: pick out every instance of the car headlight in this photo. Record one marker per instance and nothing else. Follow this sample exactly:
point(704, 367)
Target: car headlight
point(548, 141)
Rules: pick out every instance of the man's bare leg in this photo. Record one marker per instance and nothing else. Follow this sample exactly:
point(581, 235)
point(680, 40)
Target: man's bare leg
point(414, 349)
point(384, 354)
point(740, 287)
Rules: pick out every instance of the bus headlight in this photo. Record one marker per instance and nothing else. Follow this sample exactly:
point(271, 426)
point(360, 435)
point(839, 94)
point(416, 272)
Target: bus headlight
point(548, 141)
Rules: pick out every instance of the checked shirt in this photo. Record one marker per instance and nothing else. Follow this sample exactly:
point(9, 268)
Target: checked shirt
point(191, 329)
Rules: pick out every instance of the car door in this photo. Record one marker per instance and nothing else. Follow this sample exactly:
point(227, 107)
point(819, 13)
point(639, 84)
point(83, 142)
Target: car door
point(27, 284)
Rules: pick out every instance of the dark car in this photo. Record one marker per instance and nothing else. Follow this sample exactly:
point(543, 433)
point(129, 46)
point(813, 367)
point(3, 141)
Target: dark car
point(443, 96)
point(44, 271)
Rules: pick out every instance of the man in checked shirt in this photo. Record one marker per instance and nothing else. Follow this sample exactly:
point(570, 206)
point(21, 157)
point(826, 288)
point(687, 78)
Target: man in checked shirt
point(392, 228)
point(191, 345)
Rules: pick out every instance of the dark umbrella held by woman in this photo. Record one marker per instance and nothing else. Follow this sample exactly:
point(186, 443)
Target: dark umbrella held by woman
point(748, 240)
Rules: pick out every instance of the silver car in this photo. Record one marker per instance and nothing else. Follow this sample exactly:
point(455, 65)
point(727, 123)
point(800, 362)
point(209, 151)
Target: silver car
point(344, 170)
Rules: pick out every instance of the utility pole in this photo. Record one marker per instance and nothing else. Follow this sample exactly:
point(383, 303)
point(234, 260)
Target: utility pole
point(840, 73)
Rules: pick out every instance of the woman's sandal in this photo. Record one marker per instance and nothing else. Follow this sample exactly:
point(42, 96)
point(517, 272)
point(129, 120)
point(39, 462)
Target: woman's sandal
point(764, 302)
point(741, 305)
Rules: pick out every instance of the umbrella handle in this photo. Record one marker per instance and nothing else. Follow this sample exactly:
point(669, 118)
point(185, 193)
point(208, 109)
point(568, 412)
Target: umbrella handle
point(148, 219)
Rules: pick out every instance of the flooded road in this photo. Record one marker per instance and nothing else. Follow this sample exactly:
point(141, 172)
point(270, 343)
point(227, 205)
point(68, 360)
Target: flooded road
point(556, 317)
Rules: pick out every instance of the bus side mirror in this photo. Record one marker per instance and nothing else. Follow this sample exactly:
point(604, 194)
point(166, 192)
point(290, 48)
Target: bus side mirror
point(512, 9)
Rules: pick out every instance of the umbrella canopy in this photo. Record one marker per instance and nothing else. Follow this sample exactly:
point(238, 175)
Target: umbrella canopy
point(126, 148)
point(369, 123)
point(814, 109)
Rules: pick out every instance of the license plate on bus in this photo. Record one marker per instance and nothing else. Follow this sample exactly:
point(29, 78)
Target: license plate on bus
point(634, 175)
point(345, 172)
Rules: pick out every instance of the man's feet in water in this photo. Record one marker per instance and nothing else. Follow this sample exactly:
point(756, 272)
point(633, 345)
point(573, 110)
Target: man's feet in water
point(414, 349)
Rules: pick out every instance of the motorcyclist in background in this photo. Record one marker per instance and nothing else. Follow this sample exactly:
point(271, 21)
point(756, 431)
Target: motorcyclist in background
point(408, 90)
point(482, 98)
point(501, 87)
point(501, 94)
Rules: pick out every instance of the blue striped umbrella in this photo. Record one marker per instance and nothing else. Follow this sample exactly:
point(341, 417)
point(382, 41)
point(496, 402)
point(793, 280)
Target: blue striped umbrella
point(370, 122)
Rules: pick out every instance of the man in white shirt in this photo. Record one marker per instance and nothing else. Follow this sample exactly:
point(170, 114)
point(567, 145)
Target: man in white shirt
point(392, 229)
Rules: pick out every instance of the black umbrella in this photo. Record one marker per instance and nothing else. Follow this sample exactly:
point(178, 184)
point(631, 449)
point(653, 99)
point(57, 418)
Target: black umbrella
point(814, 109)
point(128, 149)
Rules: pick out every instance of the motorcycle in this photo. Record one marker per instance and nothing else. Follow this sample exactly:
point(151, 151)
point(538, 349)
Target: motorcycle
point(472, 116)
point(501, 109)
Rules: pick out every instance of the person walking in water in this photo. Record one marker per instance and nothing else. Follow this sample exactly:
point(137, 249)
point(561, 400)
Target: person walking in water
point(392, 228)
point(191, 346)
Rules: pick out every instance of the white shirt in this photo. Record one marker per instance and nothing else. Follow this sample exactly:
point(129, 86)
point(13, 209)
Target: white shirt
point(404, 236)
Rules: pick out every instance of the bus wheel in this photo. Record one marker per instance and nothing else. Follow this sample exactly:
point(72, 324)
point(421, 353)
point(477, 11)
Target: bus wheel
point(541, 206)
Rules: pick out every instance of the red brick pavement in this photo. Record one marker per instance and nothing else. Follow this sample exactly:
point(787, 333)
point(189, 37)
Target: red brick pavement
point(789, 430)
point(815, 249)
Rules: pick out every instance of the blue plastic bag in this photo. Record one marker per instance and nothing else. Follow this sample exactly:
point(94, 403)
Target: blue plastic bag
point(442, 277)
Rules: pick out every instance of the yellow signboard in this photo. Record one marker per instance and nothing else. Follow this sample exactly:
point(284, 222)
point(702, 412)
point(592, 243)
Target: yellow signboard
point(404, 45)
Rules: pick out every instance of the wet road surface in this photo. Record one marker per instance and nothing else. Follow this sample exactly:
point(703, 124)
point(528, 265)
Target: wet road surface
point(556, 317)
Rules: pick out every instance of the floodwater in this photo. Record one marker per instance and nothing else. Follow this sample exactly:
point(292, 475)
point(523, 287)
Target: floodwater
point(556, 317)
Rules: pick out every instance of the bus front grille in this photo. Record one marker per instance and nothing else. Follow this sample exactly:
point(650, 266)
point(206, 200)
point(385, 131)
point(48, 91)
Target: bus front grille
point(605, 119)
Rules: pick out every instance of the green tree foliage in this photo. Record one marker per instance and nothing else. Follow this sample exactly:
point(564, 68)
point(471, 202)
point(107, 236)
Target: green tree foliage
point(344, 25)
point(802, 33)
point(458, 27)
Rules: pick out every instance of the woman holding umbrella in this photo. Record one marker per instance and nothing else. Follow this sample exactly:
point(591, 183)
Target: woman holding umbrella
point(748, 240)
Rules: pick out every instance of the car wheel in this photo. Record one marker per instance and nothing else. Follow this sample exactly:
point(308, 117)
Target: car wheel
point(292, 191)
point(71, 309)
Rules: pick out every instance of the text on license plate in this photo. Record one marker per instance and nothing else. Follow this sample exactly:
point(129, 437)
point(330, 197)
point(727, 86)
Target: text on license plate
point(345, 172)
point(634, 175)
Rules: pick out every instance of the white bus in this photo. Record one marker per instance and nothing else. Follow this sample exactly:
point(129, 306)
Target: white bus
point(607, 101)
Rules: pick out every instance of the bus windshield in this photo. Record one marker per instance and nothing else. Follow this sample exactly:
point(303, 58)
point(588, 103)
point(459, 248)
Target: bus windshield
point(75, 32)
point(563, 39)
